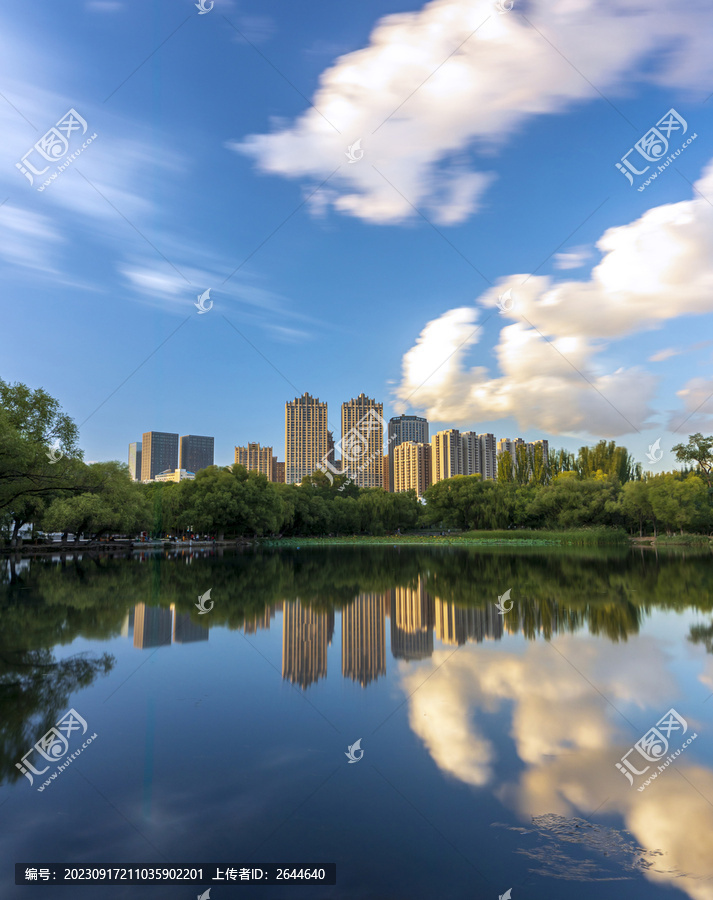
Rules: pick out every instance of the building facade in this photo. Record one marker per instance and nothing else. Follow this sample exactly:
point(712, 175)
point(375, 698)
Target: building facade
point(175, 475)
point(257, 459)
point(362, 443)
point(135, 461)
point(488, 456)
point(196, 452)
point(404, 428)
point(305, 437)
point(413, 467)
point(159, 452)
point(446, 455)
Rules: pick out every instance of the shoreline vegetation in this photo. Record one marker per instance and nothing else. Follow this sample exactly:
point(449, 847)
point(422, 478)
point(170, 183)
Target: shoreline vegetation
point(599, 495)
point(578, 537)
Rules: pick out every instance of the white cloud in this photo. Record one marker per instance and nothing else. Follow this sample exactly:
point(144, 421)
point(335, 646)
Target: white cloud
point(574, 258)
point(498, 77)
point(697, 400)
point(28, 239)
point(654, 269)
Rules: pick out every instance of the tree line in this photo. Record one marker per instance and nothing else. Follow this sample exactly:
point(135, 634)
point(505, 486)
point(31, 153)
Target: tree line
point(44, 481)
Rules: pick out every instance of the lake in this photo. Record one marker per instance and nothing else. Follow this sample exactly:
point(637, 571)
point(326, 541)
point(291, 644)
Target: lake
point(392, 710)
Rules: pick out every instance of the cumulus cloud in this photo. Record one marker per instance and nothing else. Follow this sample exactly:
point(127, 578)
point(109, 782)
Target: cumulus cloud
point(654, 269)
point(434, 85)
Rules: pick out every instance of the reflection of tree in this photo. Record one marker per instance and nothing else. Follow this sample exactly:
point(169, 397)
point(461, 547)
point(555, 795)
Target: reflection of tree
point(608, 591)
point(702, 634)
point(34, 693)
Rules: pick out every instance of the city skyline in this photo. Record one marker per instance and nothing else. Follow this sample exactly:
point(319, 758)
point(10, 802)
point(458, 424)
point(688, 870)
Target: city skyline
point(310, 447)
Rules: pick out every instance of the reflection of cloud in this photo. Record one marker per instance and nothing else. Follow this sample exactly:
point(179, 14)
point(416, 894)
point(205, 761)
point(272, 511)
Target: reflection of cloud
point(569, 739)
point(439, 715)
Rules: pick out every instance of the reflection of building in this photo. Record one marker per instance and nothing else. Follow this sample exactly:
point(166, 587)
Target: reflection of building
point(152, 626)
point(364, 638)
point(450, 623)
point(404, 428)
point(413, 615)
point(127, 627)
point(159, 451)
point(457, 624)
point(255, 623)
point(135, 461)
point(305, 437)
point(362, 444)
point(196, 452)
point(185, 630)
point(306, 634)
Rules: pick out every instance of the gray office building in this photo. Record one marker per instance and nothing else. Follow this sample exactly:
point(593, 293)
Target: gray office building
point(135, 461)
point(196, 452)
point(405, 428)
point(159, 452)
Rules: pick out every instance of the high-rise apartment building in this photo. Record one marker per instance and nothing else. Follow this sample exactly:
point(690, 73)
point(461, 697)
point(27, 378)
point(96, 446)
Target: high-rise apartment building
point(280, 472)
point(413, 467)
point(488, 456)
point(545, 450)
point(305, 437)
point(446, 455)
point(405, 428)
point(479, 454)
point(362, 443)
point(470, 450)
point(386, 484)
point(196, 452)
point(257, 459)
point(135, 461)
point(159, 451)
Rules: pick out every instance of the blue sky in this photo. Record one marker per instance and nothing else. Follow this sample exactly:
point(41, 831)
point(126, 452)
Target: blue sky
point(489, 143)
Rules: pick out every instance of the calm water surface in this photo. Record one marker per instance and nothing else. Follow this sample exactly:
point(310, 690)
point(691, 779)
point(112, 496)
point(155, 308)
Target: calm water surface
point(490, 742)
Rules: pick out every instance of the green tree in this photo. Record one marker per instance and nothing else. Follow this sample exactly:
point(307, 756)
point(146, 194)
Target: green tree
point(698, 450)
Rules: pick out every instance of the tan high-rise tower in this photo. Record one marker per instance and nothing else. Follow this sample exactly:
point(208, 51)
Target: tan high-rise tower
point(412, 467)
point(257, 459)
point(446, 455)
point(362, 443)
point(305, 437)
